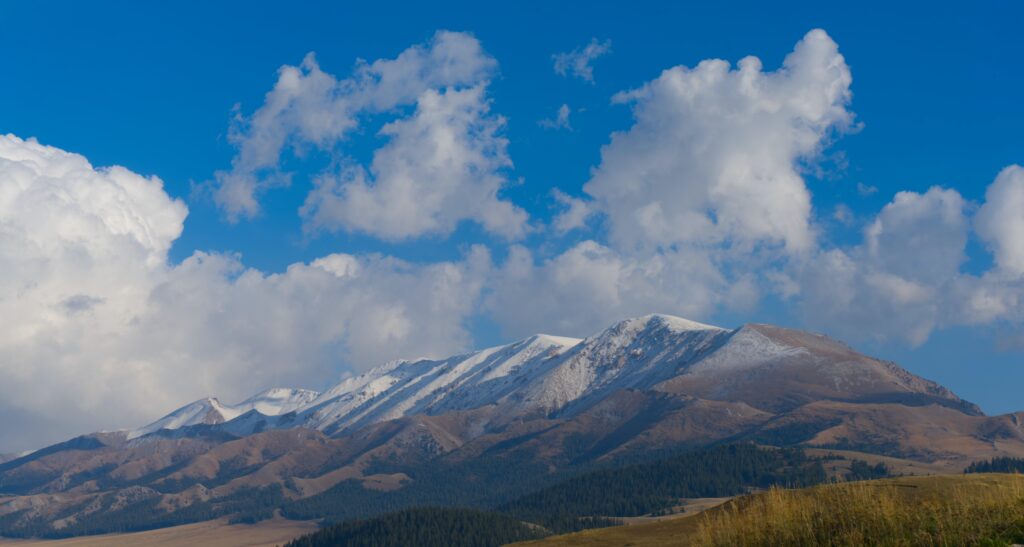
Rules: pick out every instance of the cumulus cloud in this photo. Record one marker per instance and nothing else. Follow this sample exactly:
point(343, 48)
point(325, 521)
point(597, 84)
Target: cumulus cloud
point(560, 121)
point(309, 108)
point(443, 164)
point(714, 155)
point(98, 329)
point(906, 278)
point(704, 189)
point(578, 62)
point(895, 284)
point(1000, 221)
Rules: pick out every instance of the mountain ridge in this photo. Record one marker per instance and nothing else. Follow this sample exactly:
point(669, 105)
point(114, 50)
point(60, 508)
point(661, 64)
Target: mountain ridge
point(586, 369)
point(538, 408)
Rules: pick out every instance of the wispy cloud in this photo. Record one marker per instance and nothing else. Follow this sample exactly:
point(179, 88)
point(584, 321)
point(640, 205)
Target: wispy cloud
point(578, 61)
point(560, 121)
point(866, 189)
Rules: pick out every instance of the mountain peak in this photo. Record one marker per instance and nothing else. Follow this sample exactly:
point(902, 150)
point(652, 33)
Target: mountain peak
point(564, 342)
point(210, 410)
point(672, 322)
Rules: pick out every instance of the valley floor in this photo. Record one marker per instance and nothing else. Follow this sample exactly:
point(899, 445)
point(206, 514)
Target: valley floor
point(215, 533)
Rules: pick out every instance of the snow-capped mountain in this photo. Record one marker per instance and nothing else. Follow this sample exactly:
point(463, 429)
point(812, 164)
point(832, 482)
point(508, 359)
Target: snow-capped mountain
point(210, 411)
point(644, 384)
point(760, 365)
point(426, 386)
point(390, 391)
point(540, 374)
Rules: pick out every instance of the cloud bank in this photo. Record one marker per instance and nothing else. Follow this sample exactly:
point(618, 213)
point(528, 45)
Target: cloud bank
point(96, 327)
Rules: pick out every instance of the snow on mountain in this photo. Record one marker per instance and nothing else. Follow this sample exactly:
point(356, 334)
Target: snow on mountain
point(409, 387)
point(549, 376)
point(277, 401)
point(209, 411)
point(635, 353)
point(540, 374)
point(747, 347)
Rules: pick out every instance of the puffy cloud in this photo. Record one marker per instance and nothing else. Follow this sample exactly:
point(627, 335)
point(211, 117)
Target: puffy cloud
point(702, 198)
point(898, 282)
point(905, 280)
point(308, 107)
point(714, 156)
point(443, 164)
point(560, 121)
point(920, 237)
point(97, 329)
point(578, 61)
point(1000, 221)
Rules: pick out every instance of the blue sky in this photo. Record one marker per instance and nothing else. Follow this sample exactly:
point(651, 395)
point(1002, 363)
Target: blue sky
point(934, 101)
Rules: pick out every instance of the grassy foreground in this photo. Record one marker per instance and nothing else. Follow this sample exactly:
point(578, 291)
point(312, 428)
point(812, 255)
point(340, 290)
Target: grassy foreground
point(986, 510)
point(950, 510)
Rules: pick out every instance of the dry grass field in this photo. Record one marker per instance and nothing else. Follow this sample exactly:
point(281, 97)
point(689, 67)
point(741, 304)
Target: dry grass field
point(206, 534)
point(927, 510)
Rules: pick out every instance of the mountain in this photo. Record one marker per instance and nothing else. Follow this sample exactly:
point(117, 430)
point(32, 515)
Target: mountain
point(767, 368)
point(453, 430)
point(209, 411)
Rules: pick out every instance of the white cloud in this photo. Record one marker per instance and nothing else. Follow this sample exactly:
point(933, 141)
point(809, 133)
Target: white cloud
point(578, 61)
point(714, 156)
point(896, 284)
point(310, 108)
point(906, 279)
point(702, 198)
point(560, 121)
point(575, 215)
point(920, 237)
point(97, 329)
point(443, 164)
point(1000, 221)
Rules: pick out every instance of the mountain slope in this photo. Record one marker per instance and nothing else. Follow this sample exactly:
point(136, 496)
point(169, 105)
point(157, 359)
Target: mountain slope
point(537, 409)
point(778, 369)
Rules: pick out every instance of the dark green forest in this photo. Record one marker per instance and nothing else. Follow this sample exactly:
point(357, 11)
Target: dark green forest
point(424, 527)
point(863, 471)
point(997, 465)
point(653, 487)
point(589, 500)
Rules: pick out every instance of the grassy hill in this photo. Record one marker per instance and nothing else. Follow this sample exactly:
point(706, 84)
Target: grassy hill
point(976, 509)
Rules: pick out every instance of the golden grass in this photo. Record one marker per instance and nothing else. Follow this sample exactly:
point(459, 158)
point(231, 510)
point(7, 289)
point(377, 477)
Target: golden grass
point(987, 510)
point(941, 510)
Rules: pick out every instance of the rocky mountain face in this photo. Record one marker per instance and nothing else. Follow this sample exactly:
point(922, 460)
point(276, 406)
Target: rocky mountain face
point(644, 384)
